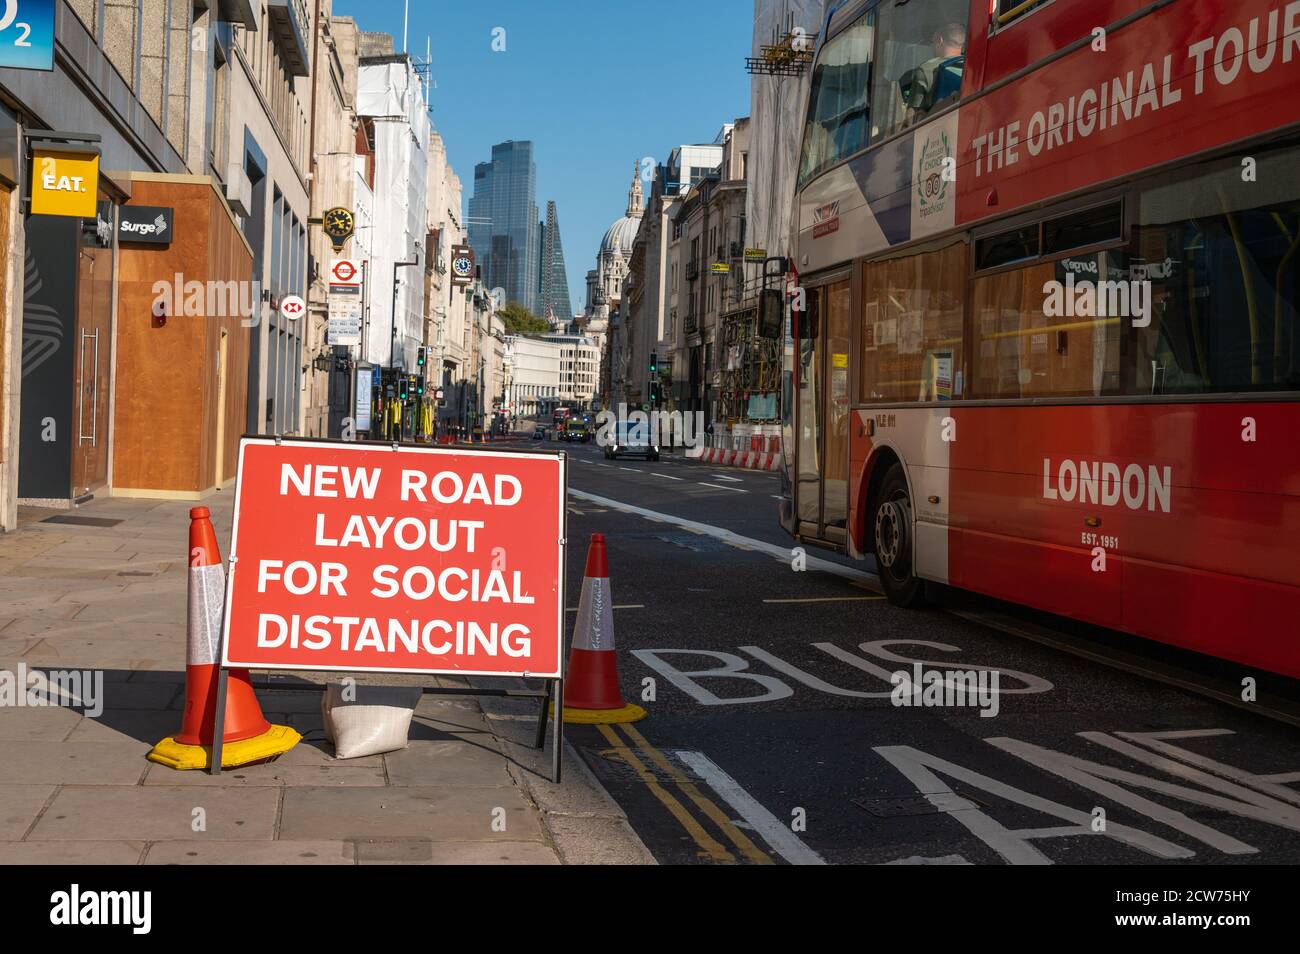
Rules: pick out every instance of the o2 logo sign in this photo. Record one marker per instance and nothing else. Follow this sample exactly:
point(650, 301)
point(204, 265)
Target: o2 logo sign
point(27, 34)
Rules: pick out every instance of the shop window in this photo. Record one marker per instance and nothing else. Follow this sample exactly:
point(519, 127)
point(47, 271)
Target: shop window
point(837, 113)
point(912, 327)
point(920, 61)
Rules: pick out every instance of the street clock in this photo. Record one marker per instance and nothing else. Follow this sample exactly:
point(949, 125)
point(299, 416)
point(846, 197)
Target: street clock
point(462, 265)
point(339, 225)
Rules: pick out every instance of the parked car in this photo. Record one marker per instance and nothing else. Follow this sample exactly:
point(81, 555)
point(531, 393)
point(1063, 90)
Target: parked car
point(631, 440)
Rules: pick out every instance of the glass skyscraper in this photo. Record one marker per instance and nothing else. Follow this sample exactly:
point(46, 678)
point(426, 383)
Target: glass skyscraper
point(503, 222)
point(553, 284)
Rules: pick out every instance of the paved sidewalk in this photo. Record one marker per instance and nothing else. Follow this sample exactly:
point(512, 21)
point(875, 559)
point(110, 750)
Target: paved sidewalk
point(78, 790)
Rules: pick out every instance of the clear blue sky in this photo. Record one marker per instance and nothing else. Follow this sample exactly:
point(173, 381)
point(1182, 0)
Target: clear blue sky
point(596, 84)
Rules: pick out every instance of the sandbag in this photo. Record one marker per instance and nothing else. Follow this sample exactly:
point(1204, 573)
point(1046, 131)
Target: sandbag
point(377, 719)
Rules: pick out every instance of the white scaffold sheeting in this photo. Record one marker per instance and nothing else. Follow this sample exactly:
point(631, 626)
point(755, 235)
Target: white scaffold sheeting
point(777, 106)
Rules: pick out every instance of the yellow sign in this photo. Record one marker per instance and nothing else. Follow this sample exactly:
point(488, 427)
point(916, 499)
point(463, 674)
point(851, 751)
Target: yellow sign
point(720, 267)
point(839, 360)
point(64, 183)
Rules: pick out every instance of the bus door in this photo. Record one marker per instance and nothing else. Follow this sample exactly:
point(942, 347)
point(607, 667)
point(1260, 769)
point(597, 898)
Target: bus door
point(822, 414)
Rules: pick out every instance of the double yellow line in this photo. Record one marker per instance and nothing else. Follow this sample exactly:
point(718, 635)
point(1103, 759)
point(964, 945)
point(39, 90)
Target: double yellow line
point(710, 847)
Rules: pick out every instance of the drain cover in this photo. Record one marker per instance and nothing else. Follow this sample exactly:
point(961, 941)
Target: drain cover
point(83, 521)
point(897, 807)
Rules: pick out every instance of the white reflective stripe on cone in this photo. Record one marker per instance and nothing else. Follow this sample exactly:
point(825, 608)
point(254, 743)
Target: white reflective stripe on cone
point(595, 626)
point(206, 603)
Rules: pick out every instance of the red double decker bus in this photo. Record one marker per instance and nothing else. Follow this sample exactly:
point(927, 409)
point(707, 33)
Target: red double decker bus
point(1048, 258)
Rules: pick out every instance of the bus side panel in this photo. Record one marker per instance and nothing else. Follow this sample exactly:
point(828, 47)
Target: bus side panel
point(1195, 508)
point(1161, 86)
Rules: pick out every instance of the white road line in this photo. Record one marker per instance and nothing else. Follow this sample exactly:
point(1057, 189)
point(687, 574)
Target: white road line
point(776, 833)
point(777, 497)
point(666, 476)
point(635, 470)
point(733, 539)
point(704, 483)
point(574, 609)
point(826, 599)
point(725, 477)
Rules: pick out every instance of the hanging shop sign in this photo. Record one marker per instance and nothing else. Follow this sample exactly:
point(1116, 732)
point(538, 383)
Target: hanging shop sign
point(755, 254)
point(64, 183)
point(27, 34)
point(145, 225)
point(292, 307)
point(720, 267)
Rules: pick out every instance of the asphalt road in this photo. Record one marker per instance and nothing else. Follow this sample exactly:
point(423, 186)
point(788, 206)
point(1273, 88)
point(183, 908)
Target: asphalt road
point(796, 752)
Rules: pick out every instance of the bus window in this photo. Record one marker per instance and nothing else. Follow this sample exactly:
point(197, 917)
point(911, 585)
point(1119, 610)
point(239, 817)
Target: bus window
point(837, 114)
point(920, 62)
point(1222, 258)
point(912, 326)
point(1026, 345)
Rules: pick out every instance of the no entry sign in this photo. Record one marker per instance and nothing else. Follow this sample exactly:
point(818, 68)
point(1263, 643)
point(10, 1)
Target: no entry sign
point(359, 557)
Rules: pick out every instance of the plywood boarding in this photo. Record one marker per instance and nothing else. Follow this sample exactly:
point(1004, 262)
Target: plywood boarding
point(165, 414)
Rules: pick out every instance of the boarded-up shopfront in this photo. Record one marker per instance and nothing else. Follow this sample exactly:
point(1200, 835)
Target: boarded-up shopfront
point(186, 303)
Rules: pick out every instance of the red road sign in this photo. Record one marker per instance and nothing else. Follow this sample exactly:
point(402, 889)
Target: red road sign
point(417, 559)
point(344, 271)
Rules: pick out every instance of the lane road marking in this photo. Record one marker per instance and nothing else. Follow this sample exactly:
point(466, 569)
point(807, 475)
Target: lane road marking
point(869, 580)
point(739, 490)
point(774, 831)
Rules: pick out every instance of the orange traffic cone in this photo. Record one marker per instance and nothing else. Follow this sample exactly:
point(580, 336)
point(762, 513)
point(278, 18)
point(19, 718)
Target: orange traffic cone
point(591, 690)
point(248, 737)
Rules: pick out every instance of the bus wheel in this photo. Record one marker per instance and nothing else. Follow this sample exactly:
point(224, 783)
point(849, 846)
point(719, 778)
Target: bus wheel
point(892, 519)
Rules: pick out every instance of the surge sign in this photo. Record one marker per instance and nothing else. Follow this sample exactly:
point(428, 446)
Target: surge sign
point(356, 557)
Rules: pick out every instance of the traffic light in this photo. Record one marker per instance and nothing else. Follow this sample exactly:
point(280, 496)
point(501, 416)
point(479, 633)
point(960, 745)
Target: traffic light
point(420, 354)
point(418, 381)
point(401, 388)
point(654, 363)
point(654, 394)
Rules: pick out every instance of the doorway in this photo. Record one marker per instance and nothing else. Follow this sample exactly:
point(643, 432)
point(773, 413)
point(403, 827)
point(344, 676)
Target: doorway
point(822, 413)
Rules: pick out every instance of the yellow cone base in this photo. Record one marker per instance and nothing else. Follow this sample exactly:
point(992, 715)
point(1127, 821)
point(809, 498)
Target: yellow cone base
point(275, 741)
point(627, 713)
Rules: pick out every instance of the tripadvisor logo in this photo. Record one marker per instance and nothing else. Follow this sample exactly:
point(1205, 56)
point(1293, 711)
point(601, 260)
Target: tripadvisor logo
point(934, 170)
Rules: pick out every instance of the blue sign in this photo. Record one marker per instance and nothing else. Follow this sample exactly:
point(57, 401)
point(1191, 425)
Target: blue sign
point(27, 34)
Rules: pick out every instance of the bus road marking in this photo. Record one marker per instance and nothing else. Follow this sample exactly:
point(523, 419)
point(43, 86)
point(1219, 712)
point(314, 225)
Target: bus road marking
point(784, 841)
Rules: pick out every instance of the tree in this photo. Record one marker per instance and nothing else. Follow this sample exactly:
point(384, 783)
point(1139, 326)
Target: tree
point(520, 321)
